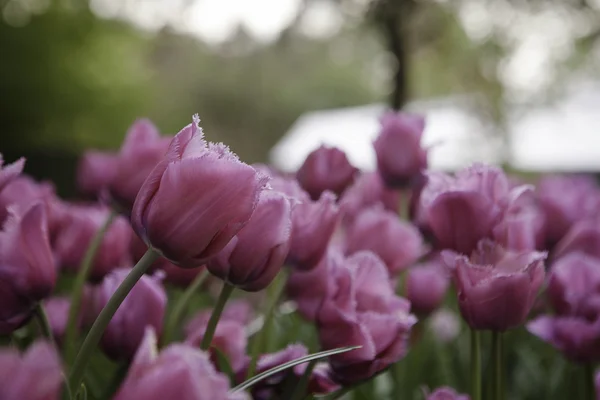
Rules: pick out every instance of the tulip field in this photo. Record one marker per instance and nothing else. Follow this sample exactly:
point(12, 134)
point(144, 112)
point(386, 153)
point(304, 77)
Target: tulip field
point(182, 272)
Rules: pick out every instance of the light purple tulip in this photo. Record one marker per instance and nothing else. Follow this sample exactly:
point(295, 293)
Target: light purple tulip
point(496, 288)
point(368, 190)
point(326, 168)
point(35, 375)
point(196, 199)
point(144, 306)
point(583, 236)
point(178, 371)
point(426, 287)
point(27, 270)
point(256, 253)
point(446, 393)
point(400, 156)
point(445, 325)
point(361, 308)
point(399, 244)
point(142, 149)
point(95, 172)
point(9, 172)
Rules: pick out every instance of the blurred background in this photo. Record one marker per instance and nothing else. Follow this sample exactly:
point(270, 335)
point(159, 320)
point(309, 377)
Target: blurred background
point(514, 82)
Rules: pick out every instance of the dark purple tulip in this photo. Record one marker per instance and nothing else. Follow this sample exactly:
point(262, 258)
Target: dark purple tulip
point(9, 172)
point(95, 172)
point(142, 149)
point(496, 288)
point(445, 325)
point(361, 308)
point(144, 306)
point(196, 199)
point(583, 236)
point(398, 243)
point(426, 286)
point(326, 168)
point(313, 224)
point(309, 288)
point(400, 156)
point(256, 253)
point(273, 388)
point(446, 393)
point(574, 285)
point(464, 209)
point(178, 371)
point(368, 190)
point(79, 224)
point(27, 270)
point(35, 375)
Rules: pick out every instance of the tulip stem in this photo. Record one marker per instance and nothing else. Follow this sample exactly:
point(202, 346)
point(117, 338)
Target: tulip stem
point(590, 387)
point(42, 319)
point(497, 364)
point(298, 391)
point(85, 268)
point(93, 337)
point(216, 315)
point(475, 365)
point(179, 308)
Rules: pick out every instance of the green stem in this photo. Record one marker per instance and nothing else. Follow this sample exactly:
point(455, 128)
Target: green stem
point(85, 268)
point(115, 380)
point(298, 391)
point(497, 357)
point(42, 320)
point(590, 387)
point(337, 394)
point(95, 333)
point(180, 307)
point(475, 365)
point(397, 372)
point(216, 315)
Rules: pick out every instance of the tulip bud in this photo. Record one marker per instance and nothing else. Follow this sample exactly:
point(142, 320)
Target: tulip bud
point(35, 375)
point(142, 149)
point(96, 172)
point(27, 271)
point(313, 224)
point(398, 243)
point(196, 200)
point(9, 172)
point(426, 287)
point(326, 168)
point(361, 308)
point(79, 224)
point(368, 190)
point(496, 288)
point(179, 371)
point(445, 393)
point(400, 156)
point(256, 254)
point(144, 306)
point(583, 237)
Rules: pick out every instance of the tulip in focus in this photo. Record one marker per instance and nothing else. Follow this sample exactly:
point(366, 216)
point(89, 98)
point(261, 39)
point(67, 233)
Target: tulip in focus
point(196, 199)
point(400, 156)
point(27, 270)
point(426, 287)
point(256, 253)
point(361, 309)
point(496, 288)
point(144, 306)
point(326, 168)
point(446, 393)
point(178, 371)
point(35, 375)
point(9, 172)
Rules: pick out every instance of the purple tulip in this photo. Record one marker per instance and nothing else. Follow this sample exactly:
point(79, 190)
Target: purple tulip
point(95, 172)
point(446, 393)
point(400, 156)
point(79, 224)
point(326, 168)
point(462, 210)
point(496, 288)
point(361, 308)
point(313, 224)
point(195, 200)
point(426, 287)
point(368, 190)
point(256, 253)
point(142, 149)
point(178, 371)
point(35, 375)
point(144, 306)
point(27, 270)
point(9, 172)
point(398, 243)
point(274, 387)
point(445, 325)
point(291, 188)
point(583, 236)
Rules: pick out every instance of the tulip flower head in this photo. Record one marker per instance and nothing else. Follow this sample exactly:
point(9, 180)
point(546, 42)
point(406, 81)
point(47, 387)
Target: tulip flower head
point(95, 172)
point(9, 172)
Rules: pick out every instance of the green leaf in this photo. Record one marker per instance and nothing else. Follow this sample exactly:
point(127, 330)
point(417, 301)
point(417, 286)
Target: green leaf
point(316, 356)
point(224, 365)
point(82, 393)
